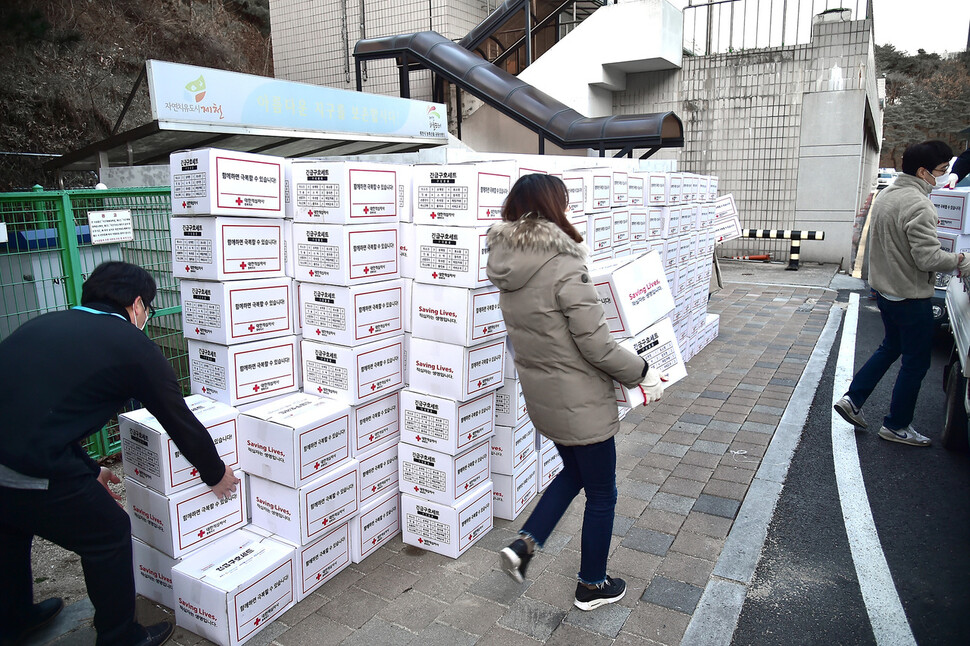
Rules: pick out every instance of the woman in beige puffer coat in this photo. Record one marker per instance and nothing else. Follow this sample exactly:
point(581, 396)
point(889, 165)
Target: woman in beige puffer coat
point(566, 362)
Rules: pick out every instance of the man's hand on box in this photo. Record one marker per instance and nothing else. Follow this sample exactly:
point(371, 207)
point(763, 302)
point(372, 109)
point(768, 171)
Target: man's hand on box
point(227, 486)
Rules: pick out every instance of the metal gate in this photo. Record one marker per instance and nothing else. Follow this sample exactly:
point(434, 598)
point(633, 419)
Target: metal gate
point(49, 253)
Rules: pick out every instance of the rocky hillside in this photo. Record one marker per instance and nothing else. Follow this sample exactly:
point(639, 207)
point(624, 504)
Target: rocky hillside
point(69, 65)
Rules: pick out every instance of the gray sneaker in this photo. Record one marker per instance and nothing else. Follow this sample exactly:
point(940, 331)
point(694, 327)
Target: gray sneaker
point(904, 436)
point(850, 413)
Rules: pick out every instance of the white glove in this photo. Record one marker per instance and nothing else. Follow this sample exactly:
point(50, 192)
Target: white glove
point(652, 386)
point(964, 266)
point(951, 181)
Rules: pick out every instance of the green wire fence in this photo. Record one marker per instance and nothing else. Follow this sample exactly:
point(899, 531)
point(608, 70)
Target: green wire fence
point(49, 253)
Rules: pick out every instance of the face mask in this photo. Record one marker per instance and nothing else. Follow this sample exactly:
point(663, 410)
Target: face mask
point(142, 326)
point(942, 180)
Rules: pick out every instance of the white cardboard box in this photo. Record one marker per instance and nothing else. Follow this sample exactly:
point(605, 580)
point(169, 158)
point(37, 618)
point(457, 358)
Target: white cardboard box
point(639, 234)
point(346, 192)
point(440, 477)
point(151, 458)
point(954, 242)
point(294, 439)
point(303, 515)
point(455, 371)
point(232, 589)
point(246, 372)
point(153, 573)
point(726, 225)
point(511, 493)
point(620, 190)
point(185, 520)
point(621, 227)
point(598, 185)
point(375, 422)
point(353, 374)
point(319, 561)
point(408, 249)
point(352, 315)
point(658, 345)
point(510, 446)
point(456, 314)
point(953, 209)
point(576, 191)
point(376, 524)
point(444, 529)
point(637, 188)
point(453, 256)
point(633, 291)
point(599, 232)
point(377, 474)
point(224, 182)
point(658, 189)
point(510, 409)
point(221, 248)
point(465, 195)
point(446, 425)
point(351, 254)
point(550, 464)
point(237, 311)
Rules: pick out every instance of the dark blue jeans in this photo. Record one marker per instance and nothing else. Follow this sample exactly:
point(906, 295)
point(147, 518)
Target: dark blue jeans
point(591, 467)
point(80, 516)
point(909, 334)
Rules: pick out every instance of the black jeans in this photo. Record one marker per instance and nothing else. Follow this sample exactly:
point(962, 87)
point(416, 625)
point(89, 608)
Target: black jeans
point(80, 516)
point(909, 334)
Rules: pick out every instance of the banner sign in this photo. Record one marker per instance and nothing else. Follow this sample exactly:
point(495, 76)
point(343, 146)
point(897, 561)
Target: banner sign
point(201, 95)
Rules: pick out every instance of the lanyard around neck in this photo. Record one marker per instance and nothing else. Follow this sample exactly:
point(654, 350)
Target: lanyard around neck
point(94, 311)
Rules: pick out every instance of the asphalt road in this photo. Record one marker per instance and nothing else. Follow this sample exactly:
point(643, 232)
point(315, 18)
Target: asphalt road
point(805, 589)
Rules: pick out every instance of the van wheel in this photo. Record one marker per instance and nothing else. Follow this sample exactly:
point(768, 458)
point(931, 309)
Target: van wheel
point(954, 435)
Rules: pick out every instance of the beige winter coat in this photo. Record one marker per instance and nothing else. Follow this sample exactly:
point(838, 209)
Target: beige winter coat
point(564, 354)
point(904, 250)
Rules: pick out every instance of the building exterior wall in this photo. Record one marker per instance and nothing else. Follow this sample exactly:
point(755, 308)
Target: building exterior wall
point(313, 40)
point(790, 131)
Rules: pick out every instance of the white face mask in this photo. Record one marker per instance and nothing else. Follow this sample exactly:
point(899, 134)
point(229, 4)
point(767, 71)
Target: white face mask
point(942, 180)
point(145, 322)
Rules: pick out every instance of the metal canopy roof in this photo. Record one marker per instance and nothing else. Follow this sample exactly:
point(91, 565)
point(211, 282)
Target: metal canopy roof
point(153, 142)
point(196, 107)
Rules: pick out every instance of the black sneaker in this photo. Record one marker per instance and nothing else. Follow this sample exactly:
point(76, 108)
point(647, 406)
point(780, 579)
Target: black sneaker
point(158, 634)
point(39, 615)
point(609, 591)
point(515, 559)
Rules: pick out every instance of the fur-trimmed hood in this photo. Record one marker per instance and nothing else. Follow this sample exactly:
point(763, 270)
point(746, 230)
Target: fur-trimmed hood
point(518, 249)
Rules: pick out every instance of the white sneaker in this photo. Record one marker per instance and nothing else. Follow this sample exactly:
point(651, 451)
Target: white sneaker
point(849, 412)
point(906, 435)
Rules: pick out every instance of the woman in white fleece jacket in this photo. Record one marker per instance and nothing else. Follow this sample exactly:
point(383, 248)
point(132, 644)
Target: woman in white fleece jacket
point(904, 256)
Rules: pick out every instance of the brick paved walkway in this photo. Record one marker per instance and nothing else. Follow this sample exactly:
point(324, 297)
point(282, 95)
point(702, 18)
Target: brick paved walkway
point(684, 466)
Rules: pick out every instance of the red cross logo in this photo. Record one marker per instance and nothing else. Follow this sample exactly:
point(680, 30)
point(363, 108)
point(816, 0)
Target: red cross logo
point(201, 533)
point(311, 272)
point(373, 541)
point(194, 472)
point(374, 488)
point(466, 485)
point(479, 384)
point(371, 329)
point(373, 386)
point(309, 212)
point(371, 437)
point(256, 623)
point(238, 201)
point(417, 438)
point(366, 210)
point(316, 466)
point(319, 333)
point(469, 436)
point(325, 521)
point(184, 204)
point(420, 540)
point(187, 268)
point(203, 389)
point(256, 388)
point(136, 472)
point(470, 536)
point(485, 330)
point(433, 215)
point(416, 488)
point(242, 265)
point(488, 213)
point(251, 327)
point(196, 330)
point(319, 576)
point(319, 389)
point(434, 275)
point(366, 269)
